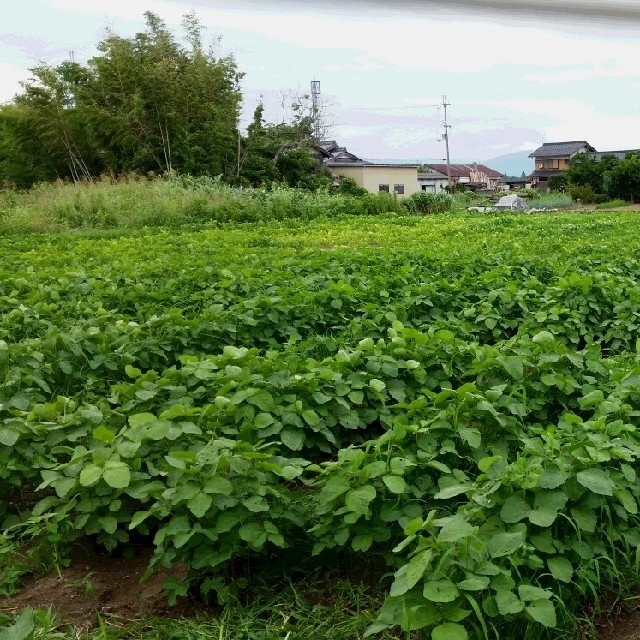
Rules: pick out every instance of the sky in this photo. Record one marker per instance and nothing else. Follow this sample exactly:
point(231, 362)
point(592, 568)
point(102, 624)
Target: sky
point(515, 74)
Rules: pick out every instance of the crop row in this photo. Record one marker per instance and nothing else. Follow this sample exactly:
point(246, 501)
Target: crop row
point(468, 422)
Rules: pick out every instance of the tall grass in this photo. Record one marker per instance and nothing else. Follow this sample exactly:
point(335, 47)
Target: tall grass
point(136, 202)
point(550, 201)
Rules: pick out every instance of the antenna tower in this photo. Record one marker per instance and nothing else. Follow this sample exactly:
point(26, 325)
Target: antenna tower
point(315, 97)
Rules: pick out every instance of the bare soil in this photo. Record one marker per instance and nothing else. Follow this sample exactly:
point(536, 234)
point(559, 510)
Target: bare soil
point(98, 583)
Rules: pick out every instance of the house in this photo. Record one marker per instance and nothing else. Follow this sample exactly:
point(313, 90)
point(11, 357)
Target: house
point(401, 179)
point(477, 176)
point(553, 159)
point(432, 181)
point(620, 155)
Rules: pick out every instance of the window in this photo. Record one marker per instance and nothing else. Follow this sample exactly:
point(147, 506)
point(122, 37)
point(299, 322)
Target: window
point(383, 187)
point(399, 189)
point(551, 163)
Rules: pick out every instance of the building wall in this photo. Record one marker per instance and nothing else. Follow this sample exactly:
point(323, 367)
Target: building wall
point(561, 164)
point(433, 185)
point(370, 178)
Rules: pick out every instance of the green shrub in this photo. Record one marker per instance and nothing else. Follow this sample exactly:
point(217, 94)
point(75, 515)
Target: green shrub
point(583, 194)
point(427, 203)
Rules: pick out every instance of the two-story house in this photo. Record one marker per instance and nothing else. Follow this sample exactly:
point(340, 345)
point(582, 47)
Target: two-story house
point(554, 158)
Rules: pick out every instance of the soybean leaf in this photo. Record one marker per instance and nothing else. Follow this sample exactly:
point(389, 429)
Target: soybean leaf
point(449, 631)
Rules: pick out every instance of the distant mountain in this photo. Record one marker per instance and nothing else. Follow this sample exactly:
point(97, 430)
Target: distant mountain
point(512, 164)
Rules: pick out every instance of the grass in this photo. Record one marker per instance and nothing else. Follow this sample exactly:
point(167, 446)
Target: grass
point(612, 204)
point(174, 202)
point(550, 201)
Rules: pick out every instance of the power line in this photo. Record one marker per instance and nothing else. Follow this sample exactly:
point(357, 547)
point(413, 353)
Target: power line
point(400, 107)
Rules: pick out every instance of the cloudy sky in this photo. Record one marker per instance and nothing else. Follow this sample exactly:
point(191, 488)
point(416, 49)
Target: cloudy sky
point(513, 77)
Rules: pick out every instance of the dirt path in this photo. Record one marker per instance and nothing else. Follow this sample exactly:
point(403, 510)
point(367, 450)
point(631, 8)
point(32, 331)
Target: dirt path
point(97, 584)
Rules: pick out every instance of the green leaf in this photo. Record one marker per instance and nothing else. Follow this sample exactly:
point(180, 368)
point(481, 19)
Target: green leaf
point(311, 417)
point(472, 437)
point(21, 629)
point(138, 419)
point(585, 518)
point(452, 491)
point(504, 544)
point(513, 366)
point(256, 504)
point(199, 504)
point(8, 437)
point(474, 583)
point(362, 542)
point(456, 528)
point(63, 486)
point(597, 481)
point(333, 488)
point(321, 398)
point(263, 400)
point(358, 500)
point(627, 500)
point(544, 338)
point(217, 484)
point(263, 420)
point(449, 631)
point(560, 568)
point(508, 603)
point(254, 534)
point(408, 575)
point(357, 397)
point(292, 438)
point(528, 593)
point(440, 591)
point(103, 434)
point(395, 484)
point(377, 385)
point(514, 509)
point(543, 611)
point(552, 478)
point(90, 475)
point(109, 524)
point(132, 372)
point(116, 474)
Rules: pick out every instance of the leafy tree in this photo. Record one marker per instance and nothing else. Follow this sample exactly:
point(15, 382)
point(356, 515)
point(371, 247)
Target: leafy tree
point(557, 183)
point(623, 179)
point(281, 152)
point(145, 104)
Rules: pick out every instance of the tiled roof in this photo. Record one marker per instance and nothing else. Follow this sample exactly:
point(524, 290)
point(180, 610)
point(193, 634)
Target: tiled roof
point(456, 170)
point(464, 170)
point(432, 175)
point(554, 149)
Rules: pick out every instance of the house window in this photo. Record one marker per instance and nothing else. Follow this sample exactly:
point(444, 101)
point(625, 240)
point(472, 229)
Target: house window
point(399, 189)
point(383, 187)
point(551, 163)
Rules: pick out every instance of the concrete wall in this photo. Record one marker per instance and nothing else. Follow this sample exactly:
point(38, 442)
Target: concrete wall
point(371, 177)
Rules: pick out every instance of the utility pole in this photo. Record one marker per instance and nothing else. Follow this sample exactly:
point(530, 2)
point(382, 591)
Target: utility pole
point(315, 97)
point(445, 136)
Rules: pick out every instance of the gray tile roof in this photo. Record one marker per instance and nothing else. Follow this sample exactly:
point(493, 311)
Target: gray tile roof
point(554, 149)
point(618, 154)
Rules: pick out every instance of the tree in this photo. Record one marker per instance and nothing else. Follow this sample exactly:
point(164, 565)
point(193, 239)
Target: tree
point(624, 178)
point(161, 107)
point(557, 183)
point(282, 152)
point(144, 104)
